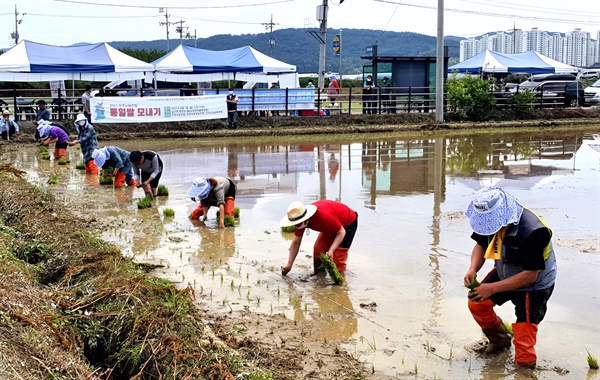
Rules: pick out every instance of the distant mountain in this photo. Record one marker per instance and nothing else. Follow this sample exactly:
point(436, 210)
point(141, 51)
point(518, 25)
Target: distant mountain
point(298, 47)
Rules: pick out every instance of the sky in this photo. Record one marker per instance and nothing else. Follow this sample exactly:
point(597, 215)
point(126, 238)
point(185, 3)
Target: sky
point(65, 22)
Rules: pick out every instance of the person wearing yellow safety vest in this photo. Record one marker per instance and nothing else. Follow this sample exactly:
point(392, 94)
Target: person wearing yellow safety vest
point(524, 273)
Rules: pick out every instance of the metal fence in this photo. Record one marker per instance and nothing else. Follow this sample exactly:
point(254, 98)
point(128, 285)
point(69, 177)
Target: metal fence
point(350, 101)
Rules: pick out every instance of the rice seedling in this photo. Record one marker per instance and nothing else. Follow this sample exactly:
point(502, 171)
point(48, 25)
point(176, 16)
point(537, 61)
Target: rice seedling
point(288, 229)
point(105, 180)
point(373, 345)
point(168, 212)
point(372, 368)
point(508, 327)
point(229, 221)
point(63, 161)
point(473, 284)
point(45, 156)
point(222, 278)
point(320, 363)
point(236, 212)
point(278, 292)
point(43, 149)
point(232, 284)
point(416, 368)
point(331, 269)
point(336, 349)
point(145, 202)
point(53, 180)
point(162, 191)
point(592, 361)
point(80, 166)
point(303, 350)
point(450, 355)
point(202, 268)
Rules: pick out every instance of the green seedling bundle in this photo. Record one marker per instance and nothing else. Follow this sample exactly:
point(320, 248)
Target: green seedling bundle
point(80, 166)
point(105, 180)
point(145, 202)
point(473, 284)
point(162, 191)
point(63, 161)
point(288, 229)
point(168, 212)
point(331, 269)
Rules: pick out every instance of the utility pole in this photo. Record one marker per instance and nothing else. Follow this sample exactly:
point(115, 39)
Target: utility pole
point(269, 26)
point(15, 34)
point(179, 30)
point(166, 23)
point(322, 17)
point(188, 36)
point(439, 64)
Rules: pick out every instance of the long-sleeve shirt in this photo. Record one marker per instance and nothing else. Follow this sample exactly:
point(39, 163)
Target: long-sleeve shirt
point(88, 141)
point(151, 164)
point(5, 125)
point(119, 158)
point(43, 114)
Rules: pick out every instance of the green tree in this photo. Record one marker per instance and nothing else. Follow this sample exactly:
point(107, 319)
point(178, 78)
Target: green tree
point(471, 97)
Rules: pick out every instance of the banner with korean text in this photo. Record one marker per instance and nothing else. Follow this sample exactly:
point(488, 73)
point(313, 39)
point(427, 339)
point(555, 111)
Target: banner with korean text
point(153, 109)
point(273, 99)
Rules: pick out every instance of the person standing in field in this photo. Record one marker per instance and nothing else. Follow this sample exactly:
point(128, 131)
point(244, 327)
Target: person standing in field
point(86, 138)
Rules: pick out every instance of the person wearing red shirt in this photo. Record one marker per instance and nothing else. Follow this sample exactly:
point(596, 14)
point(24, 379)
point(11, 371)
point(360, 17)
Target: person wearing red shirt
point(336, 224)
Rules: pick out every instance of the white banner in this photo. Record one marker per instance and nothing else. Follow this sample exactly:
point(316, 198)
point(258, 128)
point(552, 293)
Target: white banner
point(152, 109)
point(56, 85)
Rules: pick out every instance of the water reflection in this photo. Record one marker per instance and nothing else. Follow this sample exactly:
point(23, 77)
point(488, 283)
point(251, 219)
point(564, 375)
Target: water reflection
point(337, 320)
point(216, 245)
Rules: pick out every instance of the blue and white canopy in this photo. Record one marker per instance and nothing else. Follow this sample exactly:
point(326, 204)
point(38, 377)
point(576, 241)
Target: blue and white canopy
point(529, 62)
point(186, 64)
point(30, 61)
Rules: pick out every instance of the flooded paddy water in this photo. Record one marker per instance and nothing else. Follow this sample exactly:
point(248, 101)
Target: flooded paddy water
point(402, 310)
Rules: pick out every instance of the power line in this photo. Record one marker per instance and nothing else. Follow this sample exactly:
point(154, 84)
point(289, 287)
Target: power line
point(528, 8)
point(173, 7)
point(490, 14)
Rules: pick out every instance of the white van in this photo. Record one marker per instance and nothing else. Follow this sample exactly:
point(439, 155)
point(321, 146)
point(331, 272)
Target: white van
point(588, 73)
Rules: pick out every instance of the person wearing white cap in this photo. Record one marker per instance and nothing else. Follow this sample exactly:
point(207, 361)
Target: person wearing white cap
point(8, 127)
point(336, 223)
point(117, 158)
point(520, 243)
point(216, 191)
point(86, 138)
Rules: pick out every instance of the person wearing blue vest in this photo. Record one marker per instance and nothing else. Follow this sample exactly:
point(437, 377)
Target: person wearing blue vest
point(524, 273)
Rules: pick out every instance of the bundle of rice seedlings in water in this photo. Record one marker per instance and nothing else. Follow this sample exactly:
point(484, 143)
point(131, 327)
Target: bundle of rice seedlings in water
point(53, 180)
point(105, 180)
point(145, 202)
point(63, 161)
point(331, 269)
point(288, 229)
point(168, 212)
point(473, 284)
point(162, 191)
point(229, 221)
point(80, 166)
point(592, 361)
point(236, 212)
point(43, 149)
point(45, 156)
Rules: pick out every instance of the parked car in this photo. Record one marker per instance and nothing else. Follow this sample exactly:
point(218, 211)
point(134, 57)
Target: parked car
point(592, 93)
point(568, 92)
point(553, 77)
point(589, 73)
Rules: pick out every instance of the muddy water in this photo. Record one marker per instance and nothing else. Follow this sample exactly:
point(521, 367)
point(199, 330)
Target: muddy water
point(403, 307)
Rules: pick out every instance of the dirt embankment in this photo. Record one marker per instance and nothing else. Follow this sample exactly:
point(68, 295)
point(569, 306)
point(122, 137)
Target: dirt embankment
point(252, 126)
point(74, 308)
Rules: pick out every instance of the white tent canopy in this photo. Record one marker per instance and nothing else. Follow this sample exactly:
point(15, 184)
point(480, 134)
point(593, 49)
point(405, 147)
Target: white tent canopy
point(32, 62)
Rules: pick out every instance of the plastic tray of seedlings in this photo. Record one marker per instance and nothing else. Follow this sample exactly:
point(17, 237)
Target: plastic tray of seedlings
point(331, 269)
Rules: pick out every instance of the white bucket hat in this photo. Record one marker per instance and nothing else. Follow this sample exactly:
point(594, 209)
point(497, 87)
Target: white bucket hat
point(491, 209)
point(297, 213)
point(100, 156)
point(200, 188)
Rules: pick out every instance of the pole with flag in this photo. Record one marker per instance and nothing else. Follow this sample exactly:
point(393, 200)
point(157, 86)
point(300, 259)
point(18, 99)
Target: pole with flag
point(337, 47)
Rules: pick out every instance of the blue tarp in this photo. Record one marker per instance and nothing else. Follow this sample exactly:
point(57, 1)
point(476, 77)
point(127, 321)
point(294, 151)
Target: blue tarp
point(530, 62)
point(31, 61)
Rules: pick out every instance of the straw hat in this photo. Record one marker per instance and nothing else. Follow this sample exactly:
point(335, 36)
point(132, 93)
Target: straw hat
point(491, 209)
point(297, 213)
